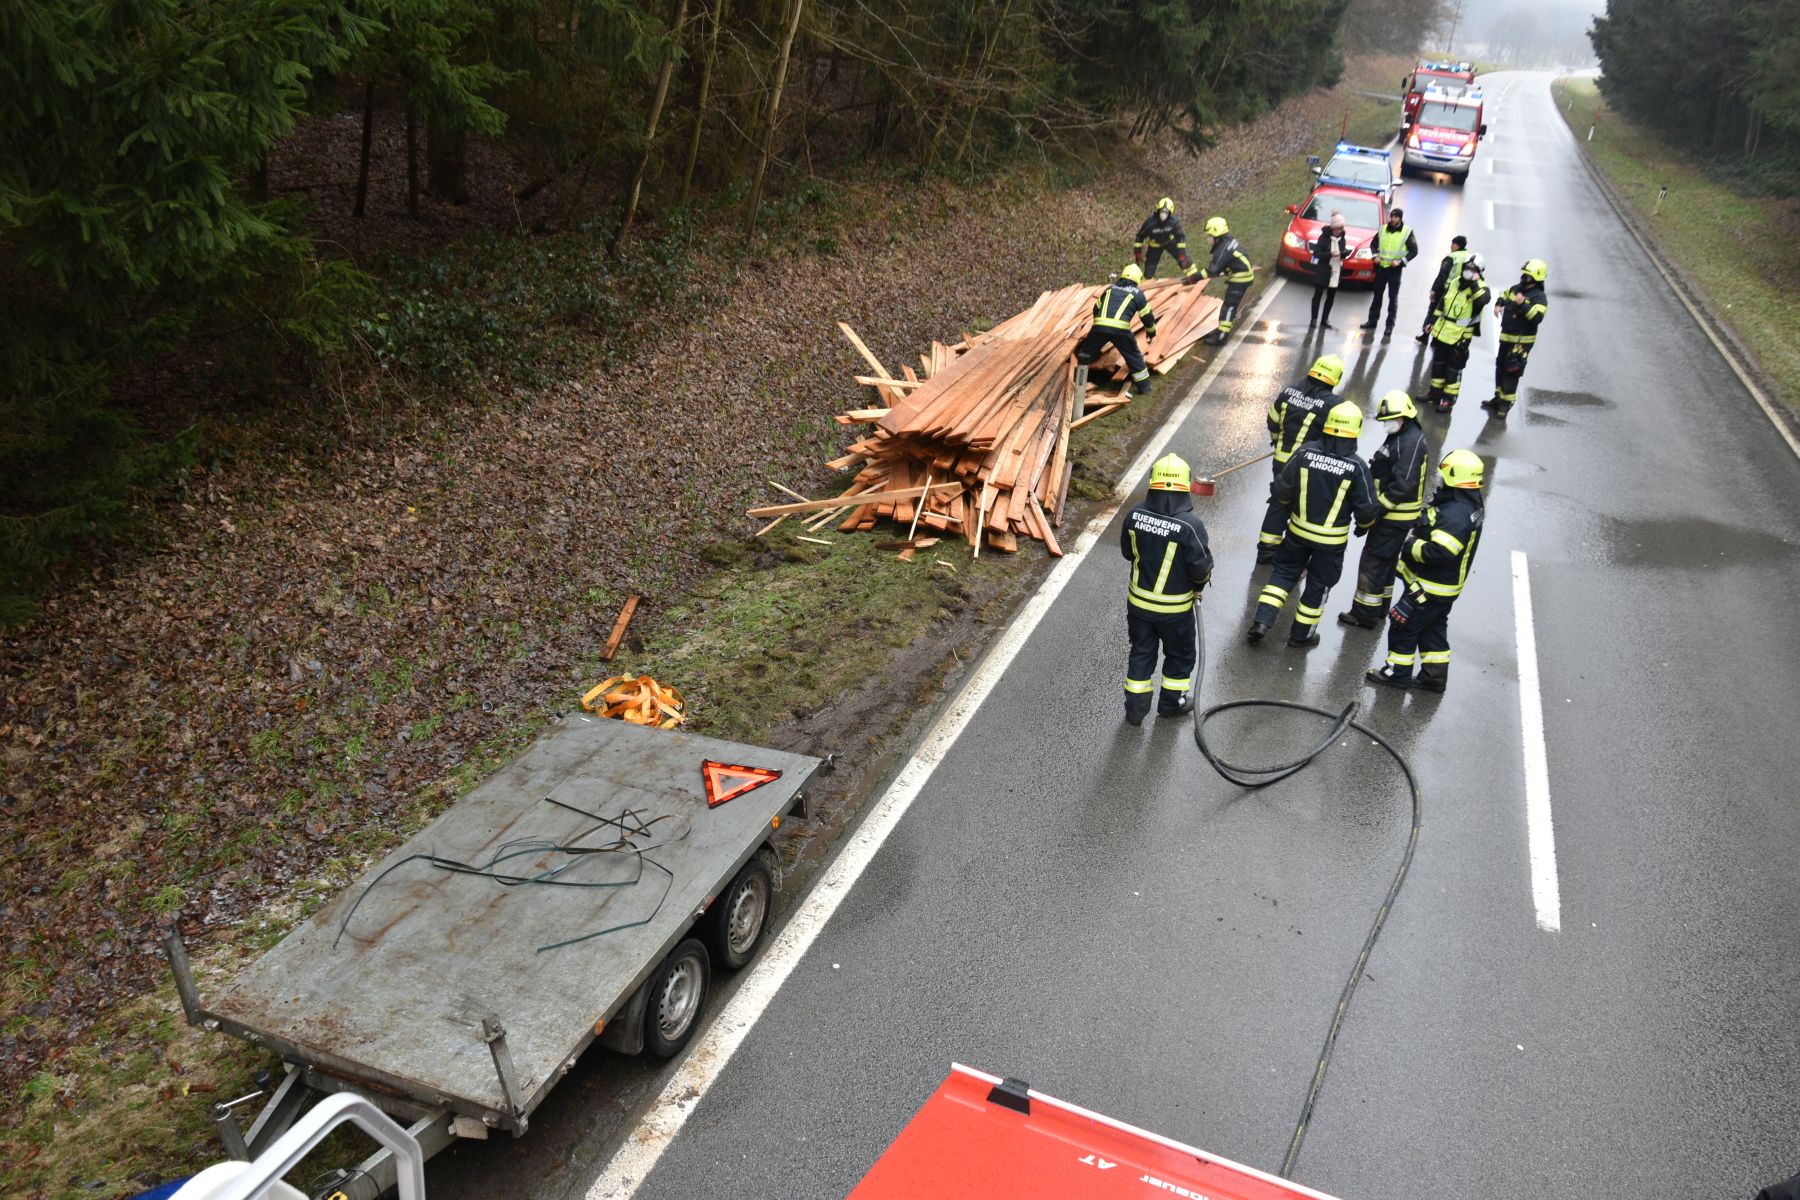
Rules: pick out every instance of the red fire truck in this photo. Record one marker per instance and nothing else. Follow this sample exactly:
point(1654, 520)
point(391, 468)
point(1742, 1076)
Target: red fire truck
point(1430, 73)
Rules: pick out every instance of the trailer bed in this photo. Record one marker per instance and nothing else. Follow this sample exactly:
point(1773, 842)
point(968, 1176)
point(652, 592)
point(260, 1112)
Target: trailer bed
point(390, 984)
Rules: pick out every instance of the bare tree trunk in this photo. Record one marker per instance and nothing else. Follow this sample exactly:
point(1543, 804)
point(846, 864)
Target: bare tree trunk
point(368, 139)
point(412, 161)
point(706, 73)
point(446, 172)
point(774, 113)
point(656, 107)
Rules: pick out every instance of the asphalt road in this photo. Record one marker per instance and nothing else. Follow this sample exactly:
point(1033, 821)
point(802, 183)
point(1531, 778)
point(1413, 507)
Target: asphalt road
point(1084, 905)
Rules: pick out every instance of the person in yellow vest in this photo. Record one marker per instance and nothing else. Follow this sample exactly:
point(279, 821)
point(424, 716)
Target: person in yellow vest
point(1434, 567)
point(1114, 309)
point(1165, 543)
point(1229, 260)
point(1457, 326)
point(1394, 247)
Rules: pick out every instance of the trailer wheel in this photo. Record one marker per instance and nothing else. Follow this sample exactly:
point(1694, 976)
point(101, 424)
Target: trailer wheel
point(735, 922)
point(677, 991)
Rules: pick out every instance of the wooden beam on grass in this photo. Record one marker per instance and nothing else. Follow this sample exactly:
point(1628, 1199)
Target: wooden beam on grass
point(618, 633)
point(867, 354)
point(776, 510)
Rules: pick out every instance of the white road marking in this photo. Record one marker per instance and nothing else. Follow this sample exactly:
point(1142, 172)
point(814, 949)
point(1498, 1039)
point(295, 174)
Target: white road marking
point(1490, 166)
point(709, 1056)
point(1540, 833)
point(1490, 214)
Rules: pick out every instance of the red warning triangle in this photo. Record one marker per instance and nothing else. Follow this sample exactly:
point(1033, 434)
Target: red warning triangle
point(726, 781)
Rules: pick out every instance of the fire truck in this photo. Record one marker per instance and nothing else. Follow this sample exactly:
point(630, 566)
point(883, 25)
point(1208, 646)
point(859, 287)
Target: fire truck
point(1444, 135)
point(1449, 76)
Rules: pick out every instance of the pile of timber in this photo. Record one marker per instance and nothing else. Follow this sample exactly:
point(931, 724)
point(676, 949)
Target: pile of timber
point(978, 443)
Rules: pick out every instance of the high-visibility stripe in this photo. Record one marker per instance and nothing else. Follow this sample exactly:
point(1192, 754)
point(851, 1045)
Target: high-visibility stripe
point(1162, 576)
point(1328, 533)
point(1283, 453)
point(1374, 598)
point(1397, 659)
point(1519, 339)
point(1162, 608)
point(1434, 657)
point(1269, 539)
point(1273, 596)
point(1308, 614)
point(1447, 540)
point(1140, 687)
point(1155, 599)
point(1177, 685)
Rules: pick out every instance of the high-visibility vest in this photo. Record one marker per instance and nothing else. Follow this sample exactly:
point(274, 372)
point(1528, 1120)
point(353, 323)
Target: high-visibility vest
point(1390, 246)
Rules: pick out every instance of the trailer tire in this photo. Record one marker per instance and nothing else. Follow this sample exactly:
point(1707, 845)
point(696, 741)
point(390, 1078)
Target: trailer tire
point(734, 925)
point(677, 992)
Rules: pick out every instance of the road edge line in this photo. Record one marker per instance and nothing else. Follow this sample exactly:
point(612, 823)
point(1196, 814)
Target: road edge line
point(1726, 344)
point(633, 1162)
point(1540, 827)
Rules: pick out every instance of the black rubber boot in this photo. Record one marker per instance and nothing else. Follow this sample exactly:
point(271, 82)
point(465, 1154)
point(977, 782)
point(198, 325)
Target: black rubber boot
point(1258, 630)
point(1368, 324)
point(1385, 677)
point(1180, 710)
point(1265, 554)
point(1432, 678)
point(1306, 641)
point(1357, 620)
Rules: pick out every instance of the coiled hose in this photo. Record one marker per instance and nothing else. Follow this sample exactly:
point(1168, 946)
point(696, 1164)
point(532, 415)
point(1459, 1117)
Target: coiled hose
point(1257, 777)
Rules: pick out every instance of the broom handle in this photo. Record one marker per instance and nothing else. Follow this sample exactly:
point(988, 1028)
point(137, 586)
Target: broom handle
point(1246, 463)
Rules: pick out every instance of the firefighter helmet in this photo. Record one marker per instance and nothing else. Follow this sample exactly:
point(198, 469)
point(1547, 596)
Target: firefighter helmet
point(1170, 474)
point(1216, 227)
point(1474, 263)
point(1536, 268)
point(1328, 369)
point(1344, 420)
point(1396, 406)
point(1166, 205)
point(1132, 273)
point(1461, 469)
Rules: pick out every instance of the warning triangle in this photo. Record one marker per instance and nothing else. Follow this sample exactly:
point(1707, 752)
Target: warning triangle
point(726, 781)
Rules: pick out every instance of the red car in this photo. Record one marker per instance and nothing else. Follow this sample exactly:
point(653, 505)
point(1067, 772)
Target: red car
point(1364, 214)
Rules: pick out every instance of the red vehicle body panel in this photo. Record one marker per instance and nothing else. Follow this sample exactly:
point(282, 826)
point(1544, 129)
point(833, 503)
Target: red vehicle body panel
point(964, 1146)
point(1298, 259)
point(1420, 79)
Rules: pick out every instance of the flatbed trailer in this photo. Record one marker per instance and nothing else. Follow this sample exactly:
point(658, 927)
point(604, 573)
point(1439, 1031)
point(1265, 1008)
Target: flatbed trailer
point(584, 893)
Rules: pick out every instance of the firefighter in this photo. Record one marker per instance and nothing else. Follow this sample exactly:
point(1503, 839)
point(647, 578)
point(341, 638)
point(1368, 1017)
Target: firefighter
point(1113, 310)
point(1229, 260)
point(1456, 328)
point(1521, 312)
point(1399, 473)
point(1159, 234)
point(1326, 488)
point(1170, 562)
point(1394, 247)
point(1448, 269)
point(1294, 419)
point(1434, 565)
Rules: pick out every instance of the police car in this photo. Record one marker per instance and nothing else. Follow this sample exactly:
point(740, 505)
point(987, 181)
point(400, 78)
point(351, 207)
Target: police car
point(1361, 167)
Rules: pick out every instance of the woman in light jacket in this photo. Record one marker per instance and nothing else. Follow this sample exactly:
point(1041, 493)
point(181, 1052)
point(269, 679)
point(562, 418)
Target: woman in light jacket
point(1330, 252)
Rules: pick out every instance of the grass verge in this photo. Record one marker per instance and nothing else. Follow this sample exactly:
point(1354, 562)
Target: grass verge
point(1739, 253)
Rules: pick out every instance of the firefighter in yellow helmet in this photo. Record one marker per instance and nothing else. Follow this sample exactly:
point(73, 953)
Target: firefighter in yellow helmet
point(1295, 418)
point(1521, 308)
point(1161, 234)
point(1326, 489)
point(1115, 308)
point(1165, 543)
point(1457, 326)
point(1434, 566)
point(1229, 260)
point(1401, 470)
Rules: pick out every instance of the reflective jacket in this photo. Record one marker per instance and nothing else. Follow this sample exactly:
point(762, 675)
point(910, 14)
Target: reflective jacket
point(1450, 268)
point(1398, 469)
point(1170, 559)
point(1394, 247)
point(1438, 550)
point(1325, 487)
point(1297, 414)
point(1160, 229)
point(1121, 301)
point(1459, 312)
point(1229, 260)
point(1521, 311)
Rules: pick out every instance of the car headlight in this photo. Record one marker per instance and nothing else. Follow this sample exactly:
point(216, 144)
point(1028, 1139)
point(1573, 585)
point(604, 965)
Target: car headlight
point(1467, 148)
point(1362, 252)
point(1293, 241)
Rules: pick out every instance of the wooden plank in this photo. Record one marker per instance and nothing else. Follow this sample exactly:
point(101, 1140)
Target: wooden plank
point(865, 498)
point(856, 415)
point(1098, 413)
point(872, 381)
point(618, 633)
point(868, 356)
point(790, 491)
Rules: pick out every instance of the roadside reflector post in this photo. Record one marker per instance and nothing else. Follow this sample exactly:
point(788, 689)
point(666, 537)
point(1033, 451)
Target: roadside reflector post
point(1662, 193)
point(1591, 128)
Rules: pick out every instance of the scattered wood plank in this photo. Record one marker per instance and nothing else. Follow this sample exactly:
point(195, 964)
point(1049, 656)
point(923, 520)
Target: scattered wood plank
point(1097, 414)
point(618, 633)
point(867, 354)
point(873, 381)
point(865, 499)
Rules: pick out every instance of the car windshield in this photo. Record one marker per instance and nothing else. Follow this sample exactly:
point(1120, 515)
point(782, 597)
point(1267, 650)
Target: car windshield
point(1421, 82)
point(1362, 170)
point(1448, 116)
point(1360, 212)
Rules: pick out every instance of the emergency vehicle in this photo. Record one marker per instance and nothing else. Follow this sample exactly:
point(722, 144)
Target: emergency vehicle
point(1362, 167)
point(1445, 134)
point(1450, 76)
point(1364, 213)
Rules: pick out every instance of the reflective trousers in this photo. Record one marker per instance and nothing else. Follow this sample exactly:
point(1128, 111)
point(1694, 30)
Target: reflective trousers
point(1387, 283)
point(1099, 338)
point(1375, 570)
point(1171, 634)
point(1447, 363)
point(1275, 518)
point(1509, 366)
point(1322, 565)
point(1234, 298)
point(1419, 634)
